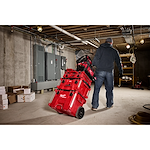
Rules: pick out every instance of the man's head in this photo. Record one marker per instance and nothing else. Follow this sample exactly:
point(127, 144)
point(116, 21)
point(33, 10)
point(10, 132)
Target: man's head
point(109, 40)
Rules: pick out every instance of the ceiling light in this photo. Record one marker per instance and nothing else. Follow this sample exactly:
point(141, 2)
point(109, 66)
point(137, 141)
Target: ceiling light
point(127, 46)
point(141, 41)
point(39, 28)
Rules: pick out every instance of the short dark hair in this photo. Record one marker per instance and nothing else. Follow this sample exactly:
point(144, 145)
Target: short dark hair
point(109, 40)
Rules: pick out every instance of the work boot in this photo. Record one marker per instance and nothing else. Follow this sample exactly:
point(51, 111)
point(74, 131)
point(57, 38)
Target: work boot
point(109, 107)
point(94, 109)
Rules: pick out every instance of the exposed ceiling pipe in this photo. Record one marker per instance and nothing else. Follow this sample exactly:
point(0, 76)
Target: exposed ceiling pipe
point(133, 34)
point(28, 32)
point(92, 44)
point(22, 30)
point(77, 43)
point(47, 42)
point(103, 38)
point(71, 35)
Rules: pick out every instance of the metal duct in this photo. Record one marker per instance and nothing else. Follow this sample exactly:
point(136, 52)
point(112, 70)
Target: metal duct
point(71, 35)
point(47, 42)
point(128, 39)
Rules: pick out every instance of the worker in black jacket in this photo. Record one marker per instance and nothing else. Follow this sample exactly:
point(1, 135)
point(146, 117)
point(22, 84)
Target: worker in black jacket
point(104, 60)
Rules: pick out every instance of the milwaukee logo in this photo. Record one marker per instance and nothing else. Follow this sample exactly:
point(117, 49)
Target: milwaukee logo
point(63, 95)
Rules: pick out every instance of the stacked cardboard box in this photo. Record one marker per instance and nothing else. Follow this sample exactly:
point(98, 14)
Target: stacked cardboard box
point(3, 98)
point(11, 98)
point(2, 90)
point(27, 96)
point(16, 94)
point(13, 91)
point(27, 91)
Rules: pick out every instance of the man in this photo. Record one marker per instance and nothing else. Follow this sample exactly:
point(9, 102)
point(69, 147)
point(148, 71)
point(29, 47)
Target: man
point(104, 60)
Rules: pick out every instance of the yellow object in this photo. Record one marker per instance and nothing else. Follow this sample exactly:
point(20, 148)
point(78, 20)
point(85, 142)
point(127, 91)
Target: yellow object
point(142, 41)
point(39, 28)
point(140, 118)
point(42, 91)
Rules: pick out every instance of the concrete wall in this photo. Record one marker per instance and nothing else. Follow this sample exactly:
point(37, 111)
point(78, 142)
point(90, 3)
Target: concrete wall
point(16, 65)
point(2, 53)
point(15, 58)
point(70, 56)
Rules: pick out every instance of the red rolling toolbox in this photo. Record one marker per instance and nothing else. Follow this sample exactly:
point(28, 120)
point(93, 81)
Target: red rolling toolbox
point(75, 84)
point(71, 74)
point(70, 95)
point(68, 102)
point(73, 90)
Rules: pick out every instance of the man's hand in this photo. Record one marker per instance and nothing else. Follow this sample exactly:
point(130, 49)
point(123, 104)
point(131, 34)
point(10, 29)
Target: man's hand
point(120, 75)
point(94, 68)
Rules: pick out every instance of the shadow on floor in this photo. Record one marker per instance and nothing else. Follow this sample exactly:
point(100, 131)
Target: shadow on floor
point(90, 112)
point(102, 102)
point(58, 119)
point(48, 108)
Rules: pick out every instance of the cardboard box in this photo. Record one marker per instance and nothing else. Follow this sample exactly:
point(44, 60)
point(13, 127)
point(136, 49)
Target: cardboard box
point(27, 91)
point(12, 98)
point(17, 90)
point(20, 92)
point(11, 88)
point(4, 96)
point(4, 102)
point(25, 87)
point(3, 107)
point(2, 92)
point(26, 97)
point(2, 87)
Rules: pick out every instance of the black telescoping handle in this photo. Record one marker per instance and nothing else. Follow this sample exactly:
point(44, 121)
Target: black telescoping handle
point(79, 60)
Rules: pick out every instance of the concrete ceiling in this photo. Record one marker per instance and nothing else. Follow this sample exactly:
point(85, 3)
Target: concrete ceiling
point(95, 34)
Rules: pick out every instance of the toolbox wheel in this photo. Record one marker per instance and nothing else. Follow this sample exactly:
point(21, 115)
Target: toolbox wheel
point(80, 113)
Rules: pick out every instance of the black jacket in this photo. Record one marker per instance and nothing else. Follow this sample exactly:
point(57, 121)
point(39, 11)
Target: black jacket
point(105, 57)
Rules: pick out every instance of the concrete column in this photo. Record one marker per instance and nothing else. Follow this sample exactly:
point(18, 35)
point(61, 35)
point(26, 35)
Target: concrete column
point(15, 58)
point(2, 83)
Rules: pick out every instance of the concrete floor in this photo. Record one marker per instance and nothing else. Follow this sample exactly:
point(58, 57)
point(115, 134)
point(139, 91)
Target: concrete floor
point(127, 102)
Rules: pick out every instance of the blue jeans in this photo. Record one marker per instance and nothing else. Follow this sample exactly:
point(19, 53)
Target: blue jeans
point(108, 79)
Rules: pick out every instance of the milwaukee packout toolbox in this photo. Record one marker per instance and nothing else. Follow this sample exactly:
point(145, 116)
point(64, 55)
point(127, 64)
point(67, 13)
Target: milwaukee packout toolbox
point(85, 64)
point(68, 102)
point(75, 84)
point(73, 91)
